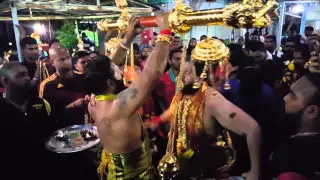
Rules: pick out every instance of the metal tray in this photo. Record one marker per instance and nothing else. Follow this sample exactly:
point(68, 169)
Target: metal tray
point(73, 139)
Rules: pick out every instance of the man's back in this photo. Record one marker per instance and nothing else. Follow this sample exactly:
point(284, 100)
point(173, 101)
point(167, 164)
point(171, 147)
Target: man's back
point(117, 135)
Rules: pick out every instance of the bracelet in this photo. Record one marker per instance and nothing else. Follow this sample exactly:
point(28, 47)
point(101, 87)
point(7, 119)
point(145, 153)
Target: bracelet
point(123, 46)
point(164, 38)
point(166, 32)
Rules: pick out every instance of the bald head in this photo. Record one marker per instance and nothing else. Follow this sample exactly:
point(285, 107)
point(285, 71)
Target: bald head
point(61, 58)
point(57, 51)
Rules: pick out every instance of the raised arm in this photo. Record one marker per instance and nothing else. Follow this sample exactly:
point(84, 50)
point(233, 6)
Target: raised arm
point(131, 99)
point(234, 119)
point(118, 56)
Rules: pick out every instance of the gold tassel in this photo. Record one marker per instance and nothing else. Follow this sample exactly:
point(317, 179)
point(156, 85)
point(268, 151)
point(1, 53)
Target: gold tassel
point(204, 72)
point(179, 82)
point(104, 163)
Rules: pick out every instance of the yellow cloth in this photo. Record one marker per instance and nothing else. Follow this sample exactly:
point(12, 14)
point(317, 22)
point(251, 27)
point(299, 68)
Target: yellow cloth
point(135, 165)
point(106, 97)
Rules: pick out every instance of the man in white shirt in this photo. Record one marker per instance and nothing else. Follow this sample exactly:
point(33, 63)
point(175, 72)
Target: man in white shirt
point(271, 46)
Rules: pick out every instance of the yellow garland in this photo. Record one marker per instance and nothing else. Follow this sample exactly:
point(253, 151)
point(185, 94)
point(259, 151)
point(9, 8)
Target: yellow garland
point(291, 66)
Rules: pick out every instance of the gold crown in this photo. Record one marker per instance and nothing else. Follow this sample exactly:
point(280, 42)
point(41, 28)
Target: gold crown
point(210, 50)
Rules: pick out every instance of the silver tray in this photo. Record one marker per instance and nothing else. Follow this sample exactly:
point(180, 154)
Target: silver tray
point(70, 139)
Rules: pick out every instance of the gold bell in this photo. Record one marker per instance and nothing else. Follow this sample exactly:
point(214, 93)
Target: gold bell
point(168, 166)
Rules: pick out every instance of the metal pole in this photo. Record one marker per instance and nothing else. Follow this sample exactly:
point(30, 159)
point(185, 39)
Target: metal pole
point(280, 24)
point(98, 3)
point(303, 23)
point(15, 22)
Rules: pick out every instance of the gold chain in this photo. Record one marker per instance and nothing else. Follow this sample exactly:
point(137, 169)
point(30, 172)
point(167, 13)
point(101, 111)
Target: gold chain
point(183, 59)
point(182, 115)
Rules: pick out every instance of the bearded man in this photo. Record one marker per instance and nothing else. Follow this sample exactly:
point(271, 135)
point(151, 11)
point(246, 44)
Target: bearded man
point(199, 144)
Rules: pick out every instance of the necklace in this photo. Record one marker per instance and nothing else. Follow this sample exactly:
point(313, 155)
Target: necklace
point(305, 134)
point(22, 107)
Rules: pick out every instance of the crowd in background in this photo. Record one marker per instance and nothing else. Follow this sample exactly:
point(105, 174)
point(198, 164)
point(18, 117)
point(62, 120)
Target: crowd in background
point(262, 79)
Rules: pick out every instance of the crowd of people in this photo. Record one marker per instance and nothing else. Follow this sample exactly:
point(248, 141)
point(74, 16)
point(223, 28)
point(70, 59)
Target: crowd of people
point(251, 110)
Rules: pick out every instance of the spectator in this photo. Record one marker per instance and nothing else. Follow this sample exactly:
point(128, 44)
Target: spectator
point(93, 54)
point(308, 31)
point(80, 59)
point(203, 37)
point(191, 46)
point(298, 156)
point(271, 46)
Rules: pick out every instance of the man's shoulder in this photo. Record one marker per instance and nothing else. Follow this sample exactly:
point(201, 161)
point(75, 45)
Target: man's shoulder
point(49, 81)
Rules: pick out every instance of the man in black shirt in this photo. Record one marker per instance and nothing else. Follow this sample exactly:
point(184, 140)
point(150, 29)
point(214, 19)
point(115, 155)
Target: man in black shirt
point(25, 122)
point(30, 53)
point(298, 157)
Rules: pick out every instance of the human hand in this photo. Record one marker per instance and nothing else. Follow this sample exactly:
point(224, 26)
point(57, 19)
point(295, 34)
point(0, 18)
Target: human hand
point(163, 21)
point(134, 27)
point(80, 102)
point(314, 63)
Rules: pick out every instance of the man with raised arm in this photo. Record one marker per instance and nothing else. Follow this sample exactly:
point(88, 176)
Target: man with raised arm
point(126, 147)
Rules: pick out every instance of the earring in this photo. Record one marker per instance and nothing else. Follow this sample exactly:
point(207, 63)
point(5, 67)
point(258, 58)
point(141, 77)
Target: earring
point(196, 85)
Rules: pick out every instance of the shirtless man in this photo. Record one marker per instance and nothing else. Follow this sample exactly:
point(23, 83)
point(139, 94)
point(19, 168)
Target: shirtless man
point(127, 154)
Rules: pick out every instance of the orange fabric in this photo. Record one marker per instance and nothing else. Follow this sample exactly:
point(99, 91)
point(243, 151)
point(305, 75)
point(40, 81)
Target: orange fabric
point(195, 118)
point(130, 75)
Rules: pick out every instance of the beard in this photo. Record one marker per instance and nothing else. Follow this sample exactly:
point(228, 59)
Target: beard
point(294, 120)
point(189, 89)
point(25, 88)
point(33, 57)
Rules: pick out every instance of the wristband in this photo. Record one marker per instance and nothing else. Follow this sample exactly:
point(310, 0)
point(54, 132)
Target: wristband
point(164, 38)
point(166, 32)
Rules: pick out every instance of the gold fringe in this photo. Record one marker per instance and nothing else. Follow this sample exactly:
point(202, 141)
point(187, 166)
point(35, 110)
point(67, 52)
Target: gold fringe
point(104, 163)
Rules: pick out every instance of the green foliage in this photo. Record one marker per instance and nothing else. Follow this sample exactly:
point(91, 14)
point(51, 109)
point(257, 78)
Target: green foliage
point(67, 36)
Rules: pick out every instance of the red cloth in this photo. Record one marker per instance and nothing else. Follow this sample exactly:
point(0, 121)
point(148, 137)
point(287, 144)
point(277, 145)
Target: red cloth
point(291, 176)
point(166, 88)
point(1, 90)
point(148, 108)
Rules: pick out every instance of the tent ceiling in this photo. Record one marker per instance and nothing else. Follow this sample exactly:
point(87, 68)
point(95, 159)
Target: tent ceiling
point(69, 9)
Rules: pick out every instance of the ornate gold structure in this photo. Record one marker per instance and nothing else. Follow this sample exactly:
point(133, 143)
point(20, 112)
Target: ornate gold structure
point(112, 44)
point(245, 14)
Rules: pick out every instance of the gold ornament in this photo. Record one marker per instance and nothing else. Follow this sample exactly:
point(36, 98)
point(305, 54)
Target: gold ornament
point(164, 38)
point(112, 44)
point(210, 49)
point(245, 14)
point(183, 60)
